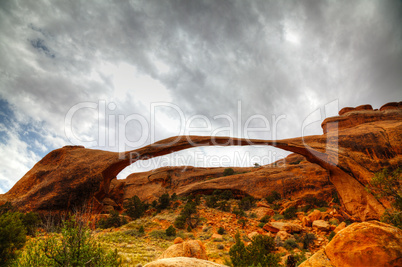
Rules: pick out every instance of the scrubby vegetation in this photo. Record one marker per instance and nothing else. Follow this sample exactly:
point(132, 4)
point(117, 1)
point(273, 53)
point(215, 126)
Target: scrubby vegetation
point(258, 253)
point(388, 184)
point(113, 220)
point(273, 196)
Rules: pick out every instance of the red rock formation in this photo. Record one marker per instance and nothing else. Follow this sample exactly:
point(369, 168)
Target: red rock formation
point(354, 146)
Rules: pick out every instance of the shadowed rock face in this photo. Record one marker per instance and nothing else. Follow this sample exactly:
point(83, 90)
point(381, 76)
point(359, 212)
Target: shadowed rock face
point(355, 145)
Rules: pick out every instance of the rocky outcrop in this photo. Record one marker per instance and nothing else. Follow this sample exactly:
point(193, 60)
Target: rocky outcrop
point(354, 146)
point(362, 244)
point(182, 261)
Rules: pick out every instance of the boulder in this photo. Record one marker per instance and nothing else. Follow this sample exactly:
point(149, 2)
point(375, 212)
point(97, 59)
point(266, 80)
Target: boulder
point(321, 225)
point(191, 248)
point(283, 235)
point(366, 244)
point(314, 215)
point(319, 259)
point(182, 261)
point(275, 227)
point(252, 235)
point(178, 240)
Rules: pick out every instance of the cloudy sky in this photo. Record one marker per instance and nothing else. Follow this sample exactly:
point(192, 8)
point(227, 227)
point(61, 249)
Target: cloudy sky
point(117, 75)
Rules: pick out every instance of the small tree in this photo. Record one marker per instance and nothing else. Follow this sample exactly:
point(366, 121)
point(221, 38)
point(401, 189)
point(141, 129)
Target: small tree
point(258, 253)
point(228, 172)
point(273, 196)
point(188, 216)
point(170, 231)
point(135, 208)
point(163, 201)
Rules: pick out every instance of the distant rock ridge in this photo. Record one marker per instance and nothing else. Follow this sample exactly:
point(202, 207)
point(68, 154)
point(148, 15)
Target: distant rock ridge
point(355, 145)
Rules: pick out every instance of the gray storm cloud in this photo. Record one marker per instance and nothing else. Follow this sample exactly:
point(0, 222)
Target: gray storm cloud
point(275, 57)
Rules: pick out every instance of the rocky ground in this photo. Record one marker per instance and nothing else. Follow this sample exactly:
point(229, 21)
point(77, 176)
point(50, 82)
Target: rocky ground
point(136, 248)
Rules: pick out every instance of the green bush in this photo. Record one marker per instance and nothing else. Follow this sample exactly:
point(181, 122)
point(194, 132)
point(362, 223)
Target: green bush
point(290, 213)
point(313, 201)
point(242, 222)
point(290, 244)
point(278, 217)
point(174, 197)
point(141, 230)
point(31, 221)
point(113, 220)
point(12, 235)
point(265, 219)
point(227, 194)
point(308, 239)
point(228, 171)
point(295, 259)
point(75, 247)
point(211, 201)
point(258, 253)
point(238, 212)
point(221, 230)
point(247, 203)
point(261, 224)
point(223, 205)
point(135, 208)
point(273, 196)
point(171, 231)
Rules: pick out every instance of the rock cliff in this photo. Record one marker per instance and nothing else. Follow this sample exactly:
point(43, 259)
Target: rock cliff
point(355, 145)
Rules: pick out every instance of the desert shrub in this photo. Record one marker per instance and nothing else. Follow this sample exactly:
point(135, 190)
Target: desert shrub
point(223, 205)
point(252, 215)
point(388, 184)
point(247, 203)
point(7, 207)
point(174, 197)
point(331, 235)
point(171, 231)
point(242, 222)
point(290, 213)
point(163, 201)
point(12, 235)
point(188, 216)
point(306, 207)
point(154, 203)
point(141, 230)
point(273, 196)
point(258, 253)
point(197, 200)
point(31, 221)
point(295, 259)
point(75, 247)
point(313, 201)
point(135, 208)
point(113, 220)
point(276, 206)
point(221, 230)
point(211, 201)
point(308, 239)
point(220, 246)
point(278, 217)
point(238, 212)
point(265, 219)
point(290, 244)
point(261, 224)
point(227, 194)
point(228, 171)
